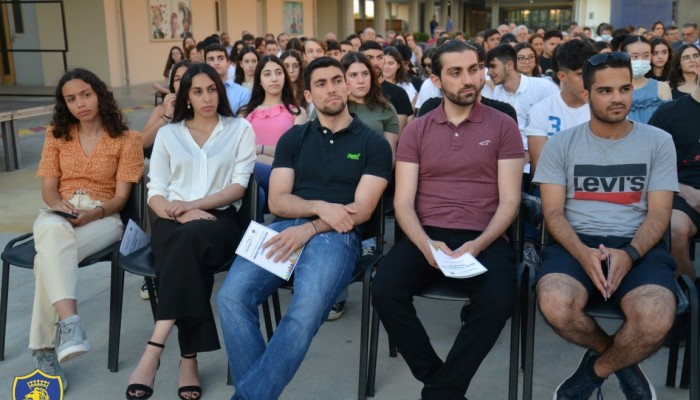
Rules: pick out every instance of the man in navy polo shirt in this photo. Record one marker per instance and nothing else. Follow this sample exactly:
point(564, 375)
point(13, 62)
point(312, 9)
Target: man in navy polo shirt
point(327, 178)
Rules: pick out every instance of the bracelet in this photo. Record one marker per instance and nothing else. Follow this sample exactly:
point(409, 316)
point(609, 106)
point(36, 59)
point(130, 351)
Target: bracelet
point(103, 211)
point(314, 225)
point(166, 118)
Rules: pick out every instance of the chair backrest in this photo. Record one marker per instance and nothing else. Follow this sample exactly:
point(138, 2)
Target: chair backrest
point(135, 207)
point(249, 206)
point(374, 227)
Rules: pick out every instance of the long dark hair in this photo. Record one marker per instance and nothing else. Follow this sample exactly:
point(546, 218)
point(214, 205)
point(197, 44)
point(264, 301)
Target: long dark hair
point(170, 62)
point(257, 97)
point(373, 98)
point(656, 41)
point(240, 75)
point(298, 85)
point(401, 73)
point(176, 66)
point(182, 112)
point(110, 113)
point(675, 74)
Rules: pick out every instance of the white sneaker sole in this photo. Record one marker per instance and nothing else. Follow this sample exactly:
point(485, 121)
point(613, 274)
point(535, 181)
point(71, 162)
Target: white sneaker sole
point(74, 351)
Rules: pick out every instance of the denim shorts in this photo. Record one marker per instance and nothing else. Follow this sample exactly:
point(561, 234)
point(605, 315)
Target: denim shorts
point(655, 268)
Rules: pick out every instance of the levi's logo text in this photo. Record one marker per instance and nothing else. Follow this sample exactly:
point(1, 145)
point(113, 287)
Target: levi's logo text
point(37, 385)
point(355, 157)
point(621, 184)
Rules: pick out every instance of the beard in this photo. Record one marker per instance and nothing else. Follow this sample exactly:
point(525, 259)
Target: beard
point(610, 119)
point(462, 99)
point(331, 111)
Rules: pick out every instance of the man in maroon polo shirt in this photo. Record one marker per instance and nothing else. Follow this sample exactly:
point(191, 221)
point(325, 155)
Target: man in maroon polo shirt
point(458, 175)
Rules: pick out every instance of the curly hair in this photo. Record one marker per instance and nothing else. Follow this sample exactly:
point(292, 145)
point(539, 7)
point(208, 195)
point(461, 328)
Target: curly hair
point(675, 74)
point(258, 95)
point(373, 98)
point(63, 120)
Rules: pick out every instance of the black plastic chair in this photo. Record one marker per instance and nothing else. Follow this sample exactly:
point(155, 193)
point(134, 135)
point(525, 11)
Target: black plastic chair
point(20, 252)
point(364, 269)
point(687, 307)
point(445, 290)
point(141, 262)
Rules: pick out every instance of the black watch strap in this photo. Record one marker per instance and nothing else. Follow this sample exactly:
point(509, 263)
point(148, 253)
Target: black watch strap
point(632, 252)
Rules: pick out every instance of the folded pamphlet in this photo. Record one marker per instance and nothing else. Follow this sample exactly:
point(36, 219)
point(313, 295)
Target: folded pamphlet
point(251, 249)
point(462, 267)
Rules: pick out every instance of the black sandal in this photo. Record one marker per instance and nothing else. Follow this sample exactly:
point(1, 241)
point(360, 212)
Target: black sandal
point(191, 389)
point(147, 390)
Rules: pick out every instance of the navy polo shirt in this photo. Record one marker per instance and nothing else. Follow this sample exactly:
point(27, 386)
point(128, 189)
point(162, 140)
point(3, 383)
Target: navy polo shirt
point(328, 165)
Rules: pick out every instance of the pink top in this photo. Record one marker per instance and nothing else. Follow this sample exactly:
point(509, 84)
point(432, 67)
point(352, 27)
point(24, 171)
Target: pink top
point(270, 124)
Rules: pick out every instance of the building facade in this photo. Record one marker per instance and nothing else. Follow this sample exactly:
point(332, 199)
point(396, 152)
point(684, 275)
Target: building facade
point(120, 41)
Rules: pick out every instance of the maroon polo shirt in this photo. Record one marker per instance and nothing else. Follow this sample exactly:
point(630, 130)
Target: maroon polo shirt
point(458, 165)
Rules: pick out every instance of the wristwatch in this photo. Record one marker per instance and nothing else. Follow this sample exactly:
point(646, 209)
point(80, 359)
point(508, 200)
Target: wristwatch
point(632, 252)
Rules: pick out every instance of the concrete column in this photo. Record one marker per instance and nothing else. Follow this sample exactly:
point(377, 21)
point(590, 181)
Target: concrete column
point(380, 17)
point(347, 25)
point(443, 14)
point(428, 10)
point(457, 16)
point(495, 8)
point(363, 13)
point(413, 16)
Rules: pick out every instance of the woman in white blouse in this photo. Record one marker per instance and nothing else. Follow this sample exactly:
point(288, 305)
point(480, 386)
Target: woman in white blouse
point(199, 172)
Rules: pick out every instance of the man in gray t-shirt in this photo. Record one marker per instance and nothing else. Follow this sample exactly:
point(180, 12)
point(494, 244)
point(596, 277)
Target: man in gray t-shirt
point(607, 188)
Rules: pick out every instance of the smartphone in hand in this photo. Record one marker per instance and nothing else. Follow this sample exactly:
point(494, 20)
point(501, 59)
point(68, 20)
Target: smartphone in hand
point(61, 213)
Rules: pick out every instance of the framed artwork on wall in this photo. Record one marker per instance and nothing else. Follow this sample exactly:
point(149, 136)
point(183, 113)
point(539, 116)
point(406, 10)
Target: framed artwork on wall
point(169, 19)
point(293, 17)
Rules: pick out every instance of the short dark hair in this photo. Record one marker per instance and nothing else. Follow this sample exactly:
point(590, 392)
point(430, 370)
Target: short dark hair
point(589, 69)
point(332, 45)
point(572, 55)
point(453, 46)
point(247, 37)
point(553, 33)
point(370, 45)
point(508, 38)
point(345, 42)
point(490, 32)
point(690, 25)
point(504, 53)
point(214, 47)
point(271, 42)
point(352, 36)
point(182, 112)
point(321, 62)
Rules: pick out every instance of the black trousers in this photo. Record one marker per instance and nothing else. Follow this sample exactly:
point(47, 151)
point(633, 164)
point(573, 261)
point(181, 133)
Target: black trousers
point(405, 272)
point(186, 257)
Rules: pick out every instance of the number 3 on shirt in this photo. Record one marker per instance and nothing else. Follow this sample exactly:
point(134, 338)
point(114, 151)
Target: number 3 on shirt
point(555, 124)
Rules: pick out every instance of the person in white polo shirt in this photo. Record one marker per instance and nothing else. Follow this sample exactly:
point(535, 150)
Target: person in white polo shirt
point(514, 88)
point(562, 110)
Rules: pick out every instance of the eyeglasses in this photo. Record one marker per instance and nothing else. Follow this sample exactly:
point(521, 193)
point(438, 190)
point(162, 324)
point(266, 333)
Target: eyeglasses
point(602, 58)
point(529, 58)
point(687, 58)
point(428, 65)
point(688, 34)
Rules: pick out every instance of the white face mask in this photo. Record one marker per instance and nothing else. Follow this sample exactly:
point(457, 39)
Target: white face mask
point(605, 37)
point(640, 67)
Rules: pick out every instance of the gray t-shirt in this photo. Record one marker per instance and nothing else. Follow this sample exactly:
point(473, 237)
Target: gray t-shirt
point(607, 181)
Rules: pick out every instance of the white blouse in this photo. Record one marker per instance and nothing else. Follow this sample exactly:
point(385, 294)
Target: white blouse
point(181, 170)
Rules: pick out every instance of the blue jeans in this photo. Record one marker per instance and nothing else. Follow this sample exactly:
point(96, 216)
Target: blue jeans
point(325, 267)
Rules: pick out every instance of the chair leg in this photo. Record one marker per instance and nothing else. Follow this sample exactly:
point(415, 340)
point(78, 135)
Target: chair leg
point(364, 336)
point(515, 336)
point(674, 338)
point(372, 362)
point(115, 313)
point(276, 307)
point(3, 306)
point(268, 319)
point(530, 338)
